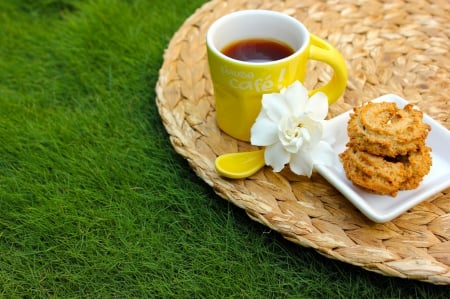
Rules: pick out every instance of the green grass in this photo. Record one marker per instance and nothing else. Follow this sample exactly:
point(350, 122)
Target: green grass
point(94, 201)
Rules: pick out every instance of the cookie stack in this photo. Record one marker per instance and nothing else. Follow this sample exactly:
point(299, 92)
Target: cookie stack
point(387, 150)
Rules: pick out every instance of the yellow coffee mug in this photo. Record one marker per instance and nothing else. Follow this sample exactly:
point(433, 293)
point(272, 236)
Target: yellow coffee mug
point(239, 85)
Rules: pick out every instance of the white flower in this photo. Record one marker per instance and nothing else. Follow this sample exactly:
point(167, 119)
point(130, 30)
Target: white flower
point(291, 127)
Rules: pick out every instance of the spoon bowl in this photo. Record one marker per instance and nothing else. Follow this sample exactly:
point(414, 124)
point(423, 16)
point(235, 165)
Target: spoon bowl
point(240, 165)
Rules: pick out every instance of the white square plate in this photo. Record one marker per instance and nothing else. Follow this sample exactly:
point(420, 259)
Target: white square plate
point(385, 208)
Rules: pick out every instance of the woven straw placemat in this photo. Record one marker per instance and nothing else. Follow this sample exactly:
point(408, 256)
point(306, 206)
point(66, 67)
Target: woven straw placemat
point(398, 46)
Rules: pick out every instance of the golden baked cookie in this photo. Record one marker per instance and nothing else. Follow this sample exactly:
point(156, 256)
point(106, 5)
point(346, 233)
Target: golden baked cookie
point(373, 173)
point(386, 175)
point(383, 129)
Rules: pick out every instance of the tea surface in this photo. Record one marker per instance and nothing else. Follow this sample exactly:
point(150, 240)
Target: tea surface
point(257, 50)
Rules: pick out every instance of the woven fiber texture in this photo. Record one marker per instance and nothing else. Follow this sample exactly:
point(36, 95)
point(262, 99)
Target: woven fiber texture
point(399, 47)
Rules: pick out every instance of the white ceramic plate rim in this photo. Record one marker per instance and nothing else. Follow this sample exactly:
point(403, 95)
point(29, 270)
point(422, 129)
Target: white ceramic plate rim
point(385, 208)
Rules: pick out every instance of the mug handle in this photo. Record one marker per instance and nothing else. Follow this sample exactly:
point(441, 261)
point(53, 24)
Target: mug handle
point(322, 51)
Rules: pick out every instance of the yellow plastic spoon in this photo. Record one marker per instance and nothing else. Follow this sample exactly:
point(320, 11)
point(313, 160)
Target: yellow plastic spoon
point(240, 165)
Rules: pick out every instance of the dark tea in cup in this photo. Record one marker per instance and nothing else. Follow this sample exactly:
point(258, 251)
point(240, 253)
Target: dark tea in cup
point(257, 50)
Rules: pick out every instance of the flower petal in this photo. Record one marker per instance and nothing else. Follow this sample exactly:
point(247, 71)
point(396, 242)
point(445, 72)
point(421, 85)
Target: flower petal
point(296, 96)
point(317, 106)
point(314, 129)
point(276, 156)
point(293, 146)
point(324, 154)
point(302, 163)
point(275, 106)
point(264, 131)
